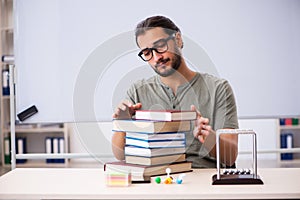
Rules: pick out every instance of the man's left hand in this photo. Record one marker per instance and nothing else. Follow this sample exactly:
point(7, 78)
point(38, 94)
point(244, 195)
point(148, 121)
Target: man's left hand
point(202, 129)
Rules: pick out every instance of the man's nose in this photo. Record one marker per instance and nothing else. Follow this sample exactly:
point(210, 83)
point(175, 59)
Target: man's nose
point(156, 56)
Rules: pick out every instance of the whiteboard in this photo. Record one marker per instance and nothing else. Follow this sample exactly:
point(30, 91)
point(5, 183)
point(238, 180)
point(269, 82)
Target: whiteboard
point(76, 58)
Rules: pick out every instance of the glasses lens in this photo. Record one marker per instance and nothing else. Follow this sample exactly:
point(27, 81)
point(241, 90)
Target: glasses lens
point(161, 47)
point(146, 54)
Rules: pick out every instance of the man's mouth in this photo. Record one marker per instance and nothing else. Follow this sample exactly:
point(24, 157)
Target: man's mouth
point(162, 63)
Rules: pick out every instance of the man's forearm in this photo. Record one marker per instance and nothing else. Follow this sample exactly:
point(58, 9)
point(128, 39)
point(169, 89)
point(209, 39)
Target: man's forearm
point(118, 144)
point(228, 147)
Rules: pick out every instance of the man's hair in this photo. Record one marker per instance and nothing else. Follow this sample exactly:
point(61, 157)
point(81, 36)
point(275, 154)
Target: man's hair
point(153, 22)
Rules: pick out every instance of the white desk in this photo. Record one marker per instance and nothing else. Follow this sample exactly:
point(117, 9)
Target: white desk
point(71, 183)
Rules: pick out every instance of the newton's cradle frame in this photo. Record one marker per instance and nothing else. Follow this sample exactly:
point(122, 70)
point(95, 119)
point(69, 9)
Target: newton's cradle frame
point(236, 176)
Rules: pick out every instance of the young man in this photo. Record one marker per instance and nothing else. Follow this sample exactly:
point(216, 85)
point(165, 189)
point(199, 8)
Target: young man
point(177, 87)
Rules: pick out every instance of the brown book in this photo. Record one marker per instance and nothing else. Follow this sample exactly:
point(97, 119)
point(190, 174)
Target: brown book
point(157, 160)
point(147, 126)
point(143, 172)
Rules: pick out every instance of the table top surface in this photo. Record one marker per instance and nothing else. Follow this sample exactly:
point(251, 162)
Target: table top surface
point(89, 183)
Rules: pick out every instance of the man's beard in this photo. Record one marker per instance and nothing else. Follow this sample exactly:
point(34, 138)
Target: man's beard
point(175, 65)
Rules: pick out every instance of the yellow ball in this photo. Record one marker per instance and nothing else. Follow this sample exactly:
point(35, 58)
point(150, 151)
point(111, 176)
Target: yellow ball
point(168, 180)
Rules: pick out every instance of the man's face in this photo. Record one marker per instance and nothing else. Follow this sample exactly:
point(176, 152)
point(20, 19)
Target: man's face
point(164, 64)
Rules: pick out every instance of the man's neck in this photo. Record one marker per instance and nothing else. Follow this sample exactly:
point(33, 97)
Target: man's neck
point(180, 77)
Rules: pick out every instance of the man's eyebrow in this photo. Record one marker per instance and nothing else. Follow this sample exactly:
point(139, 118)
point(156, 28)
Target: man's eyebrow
point(154, 43)
point(157, 41)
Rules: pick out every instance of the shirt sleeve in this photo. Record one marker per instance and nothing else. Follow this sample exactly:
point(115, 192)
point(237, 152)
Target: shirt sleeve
point(225, 113)
point(131, 94)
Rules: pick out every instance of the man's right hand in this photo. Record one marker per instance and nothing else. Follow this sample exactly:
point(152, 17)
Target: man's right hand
point(125, 110)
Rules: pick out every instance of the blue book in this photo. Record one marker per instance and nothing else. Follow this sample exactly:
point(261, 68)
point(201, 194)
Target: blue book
point(286, 141)
point(55, 145)
point(48, 148)
point(156, 136)
point(21, 148)
point(5, 82)
point(155, 143)
point(61, 149)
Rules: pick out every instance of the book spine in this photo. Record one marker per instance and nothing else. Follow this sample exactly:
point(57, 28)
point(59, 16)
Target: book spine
point(5, 83)
point(55, 148)
point(7, 154)
point(49, 148)
point(61, 149)
point(9, 59)
point(161, 136)
point(21, 149)
point(154, 143)
point(286, 141)
point(155, 140)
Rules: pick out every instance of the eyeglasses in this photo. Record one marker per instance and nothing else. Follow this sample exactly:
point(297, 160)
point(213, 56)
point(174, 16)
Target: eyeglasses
point(160, 46)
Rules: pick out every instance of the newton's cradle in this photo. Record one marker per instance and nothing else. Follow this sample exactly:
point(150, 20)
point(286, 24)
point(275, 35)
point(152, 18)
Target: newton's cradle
point(236, 176)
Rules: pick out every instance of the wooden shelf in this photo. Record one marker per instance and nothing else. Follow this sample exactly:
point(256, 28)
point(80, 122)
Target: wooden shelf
point(7, 29)
point(39, 164)
point(5, 97)
point(297, 160)
point(290, 127)
point(37, 130)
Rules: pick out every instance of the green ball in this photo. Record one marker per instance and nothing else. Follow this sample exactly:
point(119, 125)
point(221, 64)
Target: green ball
point(157, 180)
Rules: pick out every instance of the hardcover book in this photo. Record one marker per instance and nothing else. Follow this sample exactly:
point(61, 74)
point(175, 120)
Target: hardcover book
point(146, 126)
point(155, 143)
point(286, 141)
point(143, 172)
point(165, 115)
point(156, 136)
point(149, 152)
point(157, 160)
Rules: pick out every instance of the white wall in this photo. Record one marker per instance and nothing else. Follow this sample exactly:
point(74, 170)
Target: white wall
point(267, 133)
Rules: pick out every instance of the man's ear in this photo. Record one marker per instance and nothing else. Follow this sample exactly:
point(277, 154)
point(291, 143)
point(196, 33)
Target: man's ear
point(178, 40)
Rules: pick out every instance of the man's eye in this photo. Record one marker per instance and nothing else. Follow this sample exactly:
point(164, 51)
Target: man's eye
point(146, 52)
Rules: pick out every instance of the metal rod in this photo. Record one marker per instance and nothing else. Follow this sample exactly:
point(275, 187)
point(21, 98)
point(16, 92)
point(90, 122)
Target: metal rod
point(218, 155)
point(12, 117)
point(254, 155)
point(61, 155)
point(266, 151)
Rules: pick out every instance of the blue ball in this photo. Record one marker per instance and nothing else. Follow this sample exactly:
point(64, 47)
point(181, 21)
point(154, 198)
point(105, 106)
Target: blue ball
point(179, 181)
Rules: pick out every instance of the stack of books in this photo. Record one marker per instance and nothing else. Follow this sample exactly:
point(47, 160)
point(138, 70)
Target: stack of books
point(155, 141)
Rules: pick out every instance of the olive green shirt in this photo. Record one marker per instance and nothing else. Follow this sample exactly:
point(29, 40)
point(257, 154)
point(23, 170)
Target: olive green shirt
point(212, 96)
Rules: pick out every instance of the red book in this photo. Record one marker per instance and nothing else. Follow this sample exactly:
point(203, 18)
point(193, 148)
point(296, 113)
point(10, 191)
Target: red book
point(144, 172)
point(288, 121)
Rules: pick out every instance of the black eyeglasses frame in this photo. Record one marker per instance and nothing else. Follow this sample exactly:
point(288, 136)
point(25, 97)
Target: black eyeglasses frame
point(155, 49)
